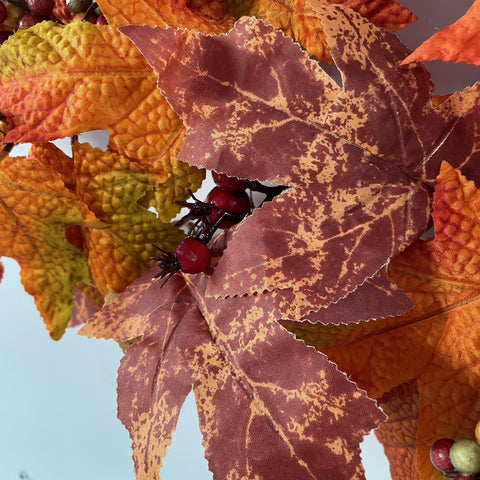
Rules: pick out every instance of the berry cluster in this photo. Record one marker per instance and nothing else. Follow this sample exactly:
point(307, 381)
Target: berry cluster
point(227, 204)
point(20, 14)
point(457, 459)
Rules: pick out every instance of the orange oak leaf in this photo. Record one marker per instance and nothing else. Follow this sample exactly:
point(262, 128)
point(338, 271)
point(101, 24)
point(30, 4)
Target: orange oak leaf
point(455, 43)
point(297, 19)
point(269, 407)
point(357, 198)
point(436, 342)
point(36, 208)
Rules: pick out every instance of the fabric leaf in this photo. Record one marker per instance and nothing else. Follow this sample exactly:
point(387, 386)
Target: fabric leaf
point(297, 19)
point(68, 79)
point(303, 130)
point(436, 341)
point(398, 435)
point(296, 415)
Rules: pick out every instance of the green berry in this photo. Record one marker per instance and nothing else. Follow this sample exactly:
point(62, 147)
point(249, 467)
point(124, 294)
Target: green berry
point(78, 6)
point(465, 456)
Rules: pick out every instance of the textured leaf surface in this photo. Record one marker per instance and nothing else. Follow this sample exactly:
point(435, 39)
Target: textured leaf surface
point(398, 435)
point(36, 208)
point(205, 16)
point(295, 415)
point(390, 15)
point(60, 80)
point(437, 341)
point(455, 43)
point(111, 185)
point(345, 214)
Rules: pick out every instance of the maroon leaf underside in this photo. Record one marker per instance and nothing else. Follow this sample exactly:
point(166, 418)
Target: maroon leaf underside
point(359, 159)
point(264, 398)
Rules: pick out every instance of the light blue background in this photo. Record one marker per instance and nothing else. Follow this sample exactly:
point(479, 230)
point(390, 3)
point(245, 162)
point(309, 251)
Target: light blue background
point(58, 399)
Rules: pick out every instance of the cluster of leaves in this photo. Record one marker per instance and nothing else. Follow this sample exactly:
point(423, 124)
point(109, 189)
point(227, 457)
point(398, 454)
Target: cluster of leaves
point(336, 258)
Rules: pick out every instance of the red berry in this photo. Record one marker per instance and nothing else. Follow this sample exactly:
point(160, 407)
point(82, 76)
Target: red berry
point(238, 204)
point(229, 184)
point(28, 20)
point(440, 455)
point(42, 8)
point(3, 12)
point(463, 476)
point(192, 255)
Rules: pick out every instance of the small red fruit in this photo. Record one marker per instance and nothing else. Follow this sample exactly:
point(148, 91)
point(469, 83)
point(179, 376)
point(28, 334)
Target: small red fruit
point(229, 184)
point(42, 8)
point(28, 20)
point(463, 476)
point(190, 256)
point(238, 205)
point(193, 256)
point(440, 455)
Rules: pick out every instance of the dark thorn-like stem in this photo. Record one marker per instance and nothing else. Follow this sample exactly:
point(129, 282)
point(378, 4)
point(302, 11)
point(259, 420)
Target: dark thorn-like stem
point(270, 192)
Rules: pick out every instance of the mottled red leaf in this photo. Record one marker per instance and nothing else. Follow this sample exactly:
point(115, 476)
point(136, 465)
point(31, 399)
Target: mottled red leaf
point(269, 406)
point(360, 159)
point(436, 342)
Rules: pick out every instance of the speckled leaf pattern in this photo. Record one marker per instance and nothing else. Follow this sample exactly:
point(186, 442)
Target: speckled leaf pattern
point(455, 43)
point(376, 298)
point(297, 19)
point(437, 341)
point(35, 209)
point(357, 198)
point(269, 406)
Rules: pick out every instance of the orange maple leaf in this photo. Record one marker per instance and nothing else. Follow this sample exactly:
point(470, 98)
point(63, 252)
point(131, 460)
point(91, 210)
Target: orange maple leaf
point(457, 42)
point(203, 16)
point(57, 81)
point(436, 342)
